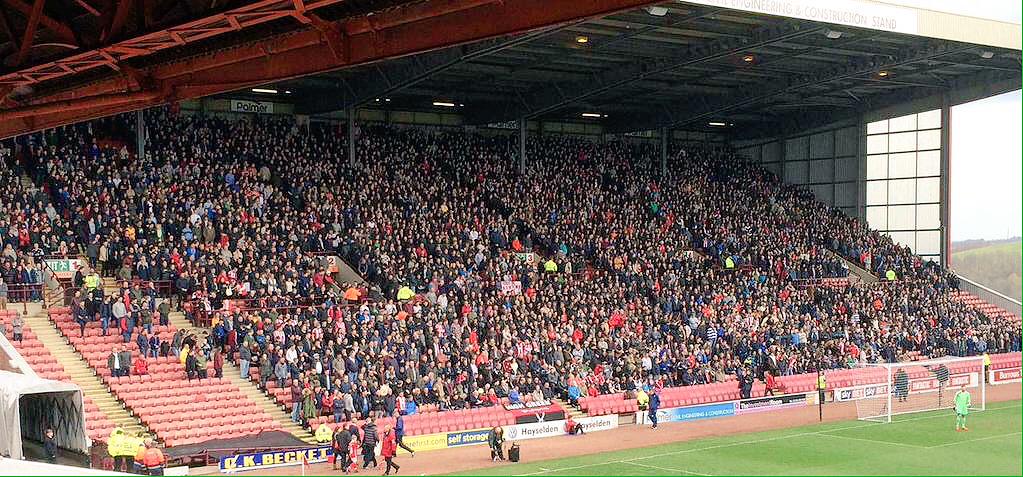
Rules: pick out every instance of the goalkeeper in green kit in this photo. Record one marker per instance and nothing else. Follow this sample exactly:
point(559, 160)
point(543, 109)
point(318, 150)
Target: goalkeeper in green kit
point(962, 408)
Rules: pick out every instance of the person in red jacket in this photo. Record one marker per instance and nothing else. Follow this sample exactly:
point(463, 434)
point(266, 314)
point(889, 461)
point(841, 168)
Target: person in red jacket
point(388, 449)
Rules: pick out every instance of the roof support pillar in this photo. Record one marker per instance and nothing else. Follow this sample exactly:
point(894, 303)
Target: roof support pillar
point(664, 150)
point(944, 206)
point(522, 145)
point(350, 114)
point(140, 134)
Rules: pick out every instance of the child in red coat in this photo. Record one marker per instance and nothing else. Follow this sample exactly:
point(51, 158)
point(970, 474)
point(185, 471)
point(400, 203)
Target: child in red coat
point(388, 448)
point(354, 448)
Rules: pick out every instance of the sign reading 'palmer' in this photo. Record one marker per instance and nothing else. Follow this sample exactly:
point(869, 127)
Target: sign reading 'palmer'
point(258, 107)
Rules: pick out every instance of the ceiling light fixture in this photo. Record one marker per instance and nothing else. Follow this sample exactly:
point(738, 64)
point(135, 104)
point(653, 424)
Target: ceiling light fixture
point(717, 124)
point(446, 104)
point(987, 54)
point(264, 90)
point(592, 115)
point(582, 39)
point(882, 73)
point(287, 91)
point(657, 11)
point(833, 34)
point(748, 58)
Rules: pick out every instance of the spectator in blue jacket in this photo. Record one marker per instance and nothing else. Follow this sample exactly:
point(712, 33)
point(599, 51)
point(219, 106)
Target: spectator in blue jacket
point(655, 403)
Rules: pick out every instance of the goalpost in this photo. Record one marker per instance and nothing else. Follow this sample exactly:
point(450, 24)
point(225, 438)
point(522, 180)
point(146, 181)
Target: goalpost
point(890, 389)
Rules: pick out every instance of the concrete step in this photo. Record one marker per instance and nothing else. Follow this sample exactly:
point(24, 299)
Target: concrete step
point(570, 410)
point(79, 371)
point(854, 269)
point(252, 391)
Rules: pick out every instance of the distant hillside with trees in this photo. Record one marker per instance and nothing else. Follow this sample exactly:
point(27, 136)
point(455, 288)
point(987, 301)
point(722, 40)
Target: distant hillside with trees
point(995, 264)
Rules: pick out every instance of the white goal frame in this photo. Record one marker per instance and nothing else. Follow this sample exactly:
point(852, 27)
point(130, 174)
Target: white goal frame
point(889, 391)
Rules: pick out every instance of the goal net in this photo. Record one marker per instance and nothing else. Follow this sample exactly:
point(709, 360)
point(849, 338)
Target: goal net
point(888, 389)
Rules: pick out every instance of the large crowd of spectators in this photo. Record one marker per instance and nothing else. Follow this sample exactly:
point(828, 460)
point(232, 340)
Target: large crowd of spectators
point(591, 273)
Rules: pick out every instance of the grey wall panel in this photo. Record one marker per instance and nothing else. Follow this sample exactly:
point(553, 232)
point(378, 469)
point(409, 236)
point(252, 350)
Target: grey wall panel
point(846, 169)
point(822, 171)
point(797, 148)
point(771, 152)
point(752, 153)
point(796, 172)
point(822, 145)
point(846, 140)
point(774, 167)
point(824, 193)
point(845, 195)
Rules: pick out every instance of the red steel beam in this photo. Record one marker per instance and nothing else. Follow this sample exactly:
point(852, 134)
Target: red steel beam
point(89, 8)
point(242, 17)
point(60, 29)
point(390, 34)
point(28, 39)
point(117, 21)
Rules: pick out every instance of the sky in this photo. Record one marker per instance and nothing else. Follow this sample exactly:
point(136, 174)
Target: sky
point(986, 197)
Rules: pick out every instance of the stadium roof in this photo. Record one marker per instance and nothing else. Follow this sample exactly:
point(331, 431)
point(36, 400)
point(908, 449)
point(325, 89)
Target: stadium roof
point(641, 64)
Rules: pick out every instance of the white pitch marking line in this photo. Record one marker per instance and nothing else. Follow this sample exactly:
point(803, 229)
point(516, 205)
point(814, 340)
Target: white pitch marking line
point(947, 444)
point(873, 441)
point(668, 469)
point(755, 441)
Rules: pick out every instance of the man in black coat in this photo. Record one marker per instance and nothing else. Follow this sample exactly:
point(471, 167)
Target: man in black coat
point(342, 438)
point(369, 443)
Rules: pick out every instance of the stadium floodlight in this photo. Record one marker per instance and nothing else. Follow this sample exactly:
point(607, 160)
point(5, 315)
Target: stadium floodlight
point(264, 90)
point(890, 389)
point(446, 104)
point(593, 115)
point(717, 124)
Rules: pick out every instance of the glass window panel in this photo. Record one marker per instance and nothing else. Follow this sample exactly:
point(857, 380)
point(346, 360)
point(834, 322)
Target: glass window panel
point(902, 191)
point(902, 165)
point(877, 217)
point(877, 144)
point(930, 139)
point(877, 127)
point(904, 123)
point(902, 217)
point(877, 167)
point(928, 216)
point(928, 163)
point(877, 192)
point(928, 189)
point(907, 239)
point(929, 120)
point(899, 142)
point(928, 242)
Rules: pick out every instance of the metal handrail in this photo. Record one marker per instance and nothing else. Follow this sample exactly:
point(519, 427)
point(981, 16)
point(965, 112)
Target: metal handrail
point(994, 297)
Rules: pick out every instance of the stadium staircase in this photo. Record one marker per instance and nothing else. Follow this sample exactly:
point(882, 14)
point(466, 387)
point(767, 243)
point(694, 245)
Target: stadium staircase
point(854, 268)
point(103, 410)
point(248, 388)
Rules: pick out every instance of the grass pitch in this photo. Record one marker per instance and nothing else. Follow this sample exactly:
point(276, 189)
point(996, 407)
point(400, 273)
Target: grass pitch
point(913, 444)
